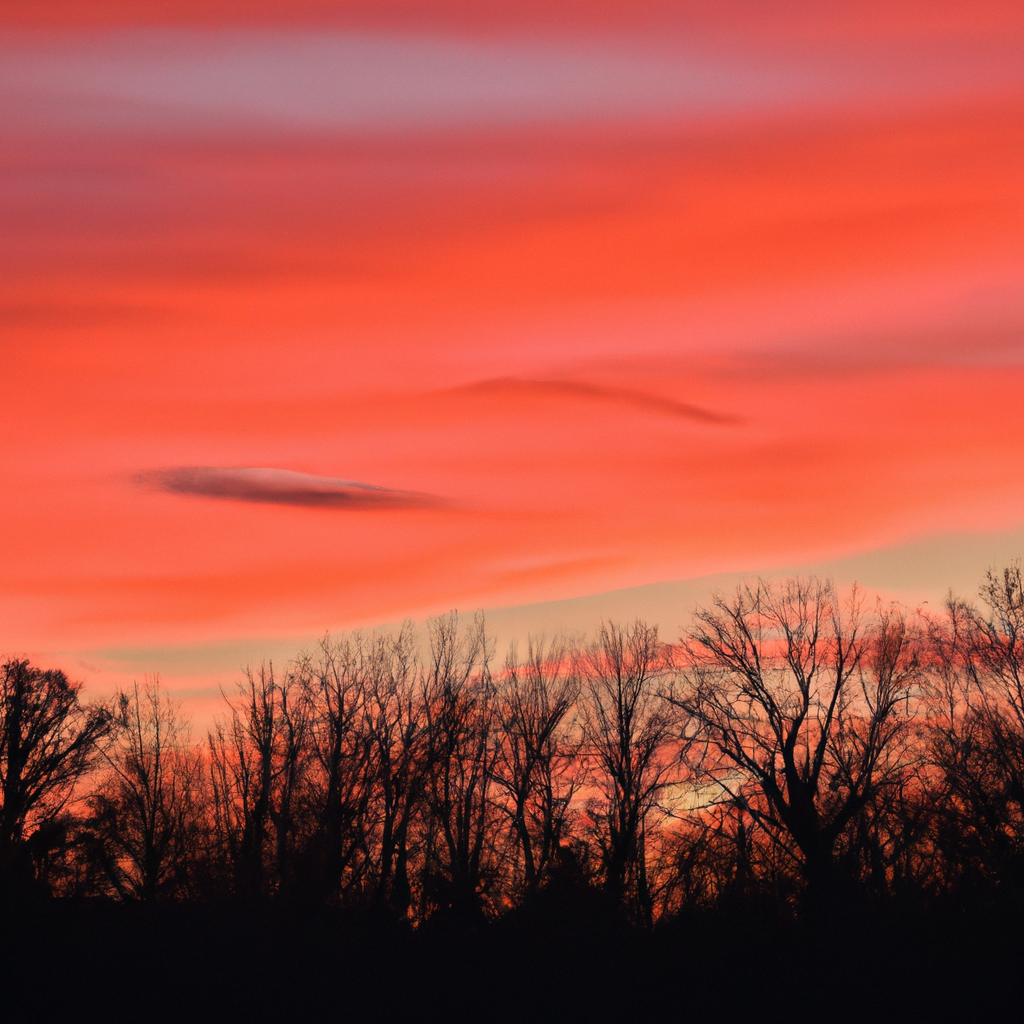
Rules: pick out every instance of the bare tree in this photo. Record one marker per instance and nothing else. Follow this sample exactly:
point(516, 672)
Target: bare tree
point(802, 704)
point(631, 739)
point(48, 741)
point(395, 725)
point(977, 729)
point(536, 758)
point(144, 811)
point(460, 753)
point(255, 762)
point(334, 683)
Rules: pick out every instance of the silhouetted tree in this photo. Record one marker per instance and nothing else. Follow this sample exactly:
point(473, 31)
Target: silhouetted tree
point(631, 742)
point(144, 810)
point(803, 705)
point(255, 763)
point(48, 741)
point(458, 697)
point(335, 683)
point(394, 721)
point(977, 731)
point(714, 860)
point(536, 763)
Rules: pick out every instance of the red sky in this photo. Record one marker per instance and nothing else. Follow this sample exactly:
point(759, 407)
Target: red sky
point(615, 294)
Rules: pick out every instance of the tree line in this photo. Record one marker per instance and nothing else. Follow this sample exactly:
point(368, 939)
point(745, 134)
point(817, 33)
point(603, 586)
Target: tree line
point(796, 746)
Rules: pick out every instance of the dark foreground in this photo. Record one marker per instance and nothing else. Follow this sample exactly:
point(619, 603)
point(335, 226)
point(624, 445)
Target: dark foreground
point(191, 963)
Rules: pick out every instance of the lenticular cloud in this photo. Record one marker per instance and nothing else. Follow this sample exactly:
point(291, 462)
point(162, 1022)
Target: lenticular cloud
point(280, 487)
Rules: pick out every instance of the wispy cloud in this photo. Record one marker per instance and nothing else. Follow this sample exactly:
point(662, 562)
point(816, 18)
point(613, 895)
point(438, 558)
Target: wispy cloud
point(596, 392)
point(280, 487)
point(350, 81)
point(344, 80)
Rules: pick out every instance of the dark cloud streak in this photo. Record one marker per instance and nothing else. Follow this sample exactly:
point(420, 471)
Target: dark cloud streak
point(580, 389)
point(280, 487)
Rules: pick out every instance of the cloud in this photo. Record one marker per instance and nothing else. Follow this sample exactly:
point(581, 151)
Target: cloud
point(350, 81)
point(280, 487)
point(626, 396)
point(329, 80)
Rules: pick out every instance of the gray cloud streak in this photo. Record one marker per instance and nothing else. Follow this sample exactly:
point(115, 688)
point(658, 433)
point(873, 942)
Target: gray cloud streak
point(626, 396)
point(280, 487)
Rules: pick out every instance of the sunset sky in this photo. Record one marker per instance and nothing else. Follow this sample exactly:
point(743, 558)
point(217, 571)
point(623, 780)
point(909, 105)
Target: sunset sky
point(317, 315)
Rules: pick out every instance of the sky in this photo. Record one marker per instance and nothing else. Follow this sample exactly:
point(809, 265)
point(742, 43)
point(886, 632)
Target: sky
point(321, 315)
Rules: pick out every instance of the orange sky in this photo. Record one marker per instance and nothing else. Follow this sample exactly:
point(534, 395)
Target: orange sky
point(619, 294)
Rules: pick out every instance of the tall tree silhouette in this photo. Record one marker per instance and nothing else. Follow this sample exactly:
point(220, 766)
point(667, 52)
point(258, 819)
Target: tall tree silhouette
point(459, 710)
point(335, 683)
point(537, 757)
point(255, 761)
point(48, 741)
point(803, 703)
point(395, 727)
point(145, 809)
point(977, 730)
point(631, 742)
